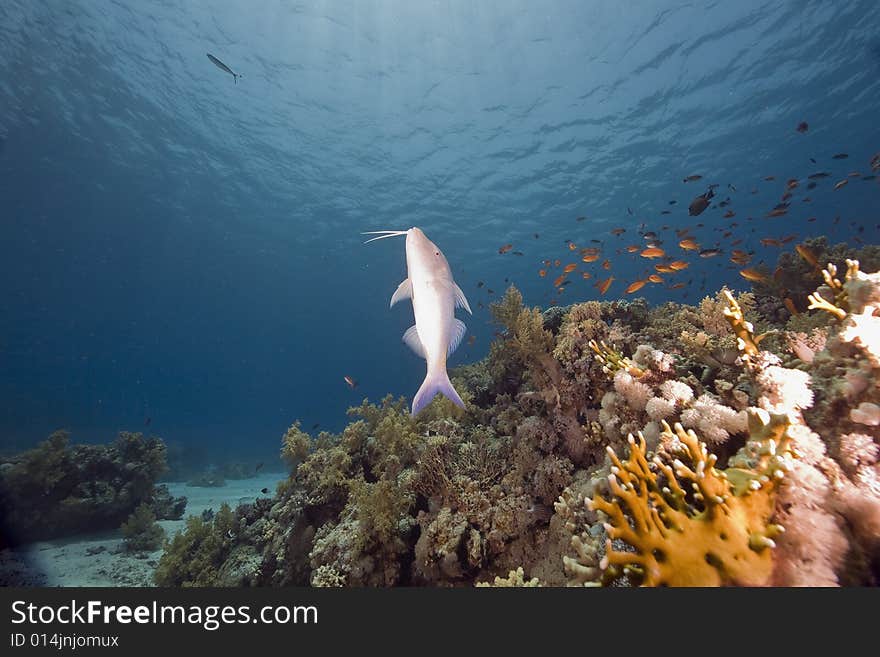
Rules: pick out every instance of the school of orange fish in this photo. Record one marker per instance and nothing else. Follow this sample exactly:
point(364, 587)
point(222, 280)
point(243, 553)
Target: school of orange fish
point(672, 261)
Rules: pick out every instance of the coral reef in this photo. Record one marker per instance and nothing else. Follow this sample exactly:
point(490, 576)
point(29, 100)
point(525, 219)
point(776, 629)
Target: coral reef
point(295, 445)
point(165, 506)
point(516, 578)
point(795, 276)
point(58, 489)
point(141, 532)
point(606, 442)
point(197, 556)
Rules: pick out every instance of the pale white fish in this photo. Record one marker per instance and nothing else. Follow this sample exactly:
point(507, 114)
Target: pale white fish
point(435, 296)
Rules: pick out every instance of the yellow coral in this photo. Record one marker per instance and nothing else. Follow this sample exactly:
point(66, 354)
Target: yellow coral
point(524, 325)
point(840, 306)
point(746, 339)
point(696, 526)
point(530, 342)
point(295, 445)
point(516, 578)
point(612, 360)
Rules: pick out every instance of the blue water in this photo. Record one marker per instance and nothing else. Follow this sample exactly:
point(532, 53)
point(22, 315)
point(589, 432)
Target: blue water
point(179, 247)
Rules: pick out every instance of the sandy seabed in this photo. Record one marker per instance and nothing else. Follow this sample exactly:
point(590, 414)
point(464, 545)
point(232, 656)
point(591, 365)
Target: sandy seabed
point(100, 559)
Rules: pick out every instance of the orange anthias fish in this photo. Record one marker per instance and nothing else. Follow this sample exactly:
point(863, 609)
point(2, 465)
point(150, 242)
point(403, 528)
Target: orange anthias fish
point(559, 280)
point(678, 265)
point(664, 269)
point(632, 248)
point(586, 275)
point(770, 241)
point(590, 257)
point(654, 278)
point(807, 255)
point(603, 286)
point(606, 265)
point(635, 286)
point(677, 286)
point(569, 268)
point(572, 246)
point(504, 249)
point(689, 245)
point(351, 382)
point(653, 252)
point(753, 275)
point(618, 231)
point(542, 273)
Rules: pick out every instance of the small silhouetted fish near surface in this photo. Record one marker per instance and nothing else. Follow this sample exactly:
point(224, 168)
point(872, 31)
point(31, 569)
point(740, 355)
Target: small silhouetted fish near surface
point(224, 67)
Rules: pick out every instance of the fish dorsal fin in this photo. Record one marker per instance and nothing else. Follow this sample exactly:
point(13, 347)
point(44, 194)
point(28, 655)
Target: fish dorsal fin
point(458, 331)
point(460, 299)
point(403, 291)
point(413, 341)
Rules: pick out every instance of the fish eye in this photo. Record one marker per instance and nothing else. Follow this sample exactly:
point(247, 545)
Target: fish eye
point(436, 253)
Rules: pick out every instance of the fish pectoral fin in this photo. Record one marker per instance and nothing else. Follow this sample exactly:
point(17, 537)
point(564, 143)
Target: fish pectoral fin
point(403, 291)
point(458, 331)
point(413, 341)
point(461, 300)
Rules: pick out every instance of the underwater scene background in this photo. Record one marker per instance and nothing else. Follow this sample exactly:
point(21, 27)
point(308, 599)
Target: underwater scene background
point(181, 256)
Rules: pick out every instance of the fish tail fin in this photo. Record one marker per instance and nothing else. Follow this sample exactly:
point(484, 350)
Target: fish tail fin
point(436, 381)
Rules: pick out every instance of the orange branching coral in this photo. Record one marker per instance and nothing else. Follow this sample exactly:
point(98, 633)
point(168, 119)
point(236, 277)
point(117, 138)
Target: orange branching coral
point(696, 525)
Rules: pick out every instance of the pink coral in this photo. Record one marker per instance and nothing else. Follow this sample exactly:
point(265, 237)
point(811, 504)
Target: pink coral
point(812, 548)
point(659, 408)
point(634, 392)
point(804, 346)
point(677, 391)
point(783, 389)
point(861, 326)
point(866, 413)
point(649, 358)
point(857, 450)
point(715, 421)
